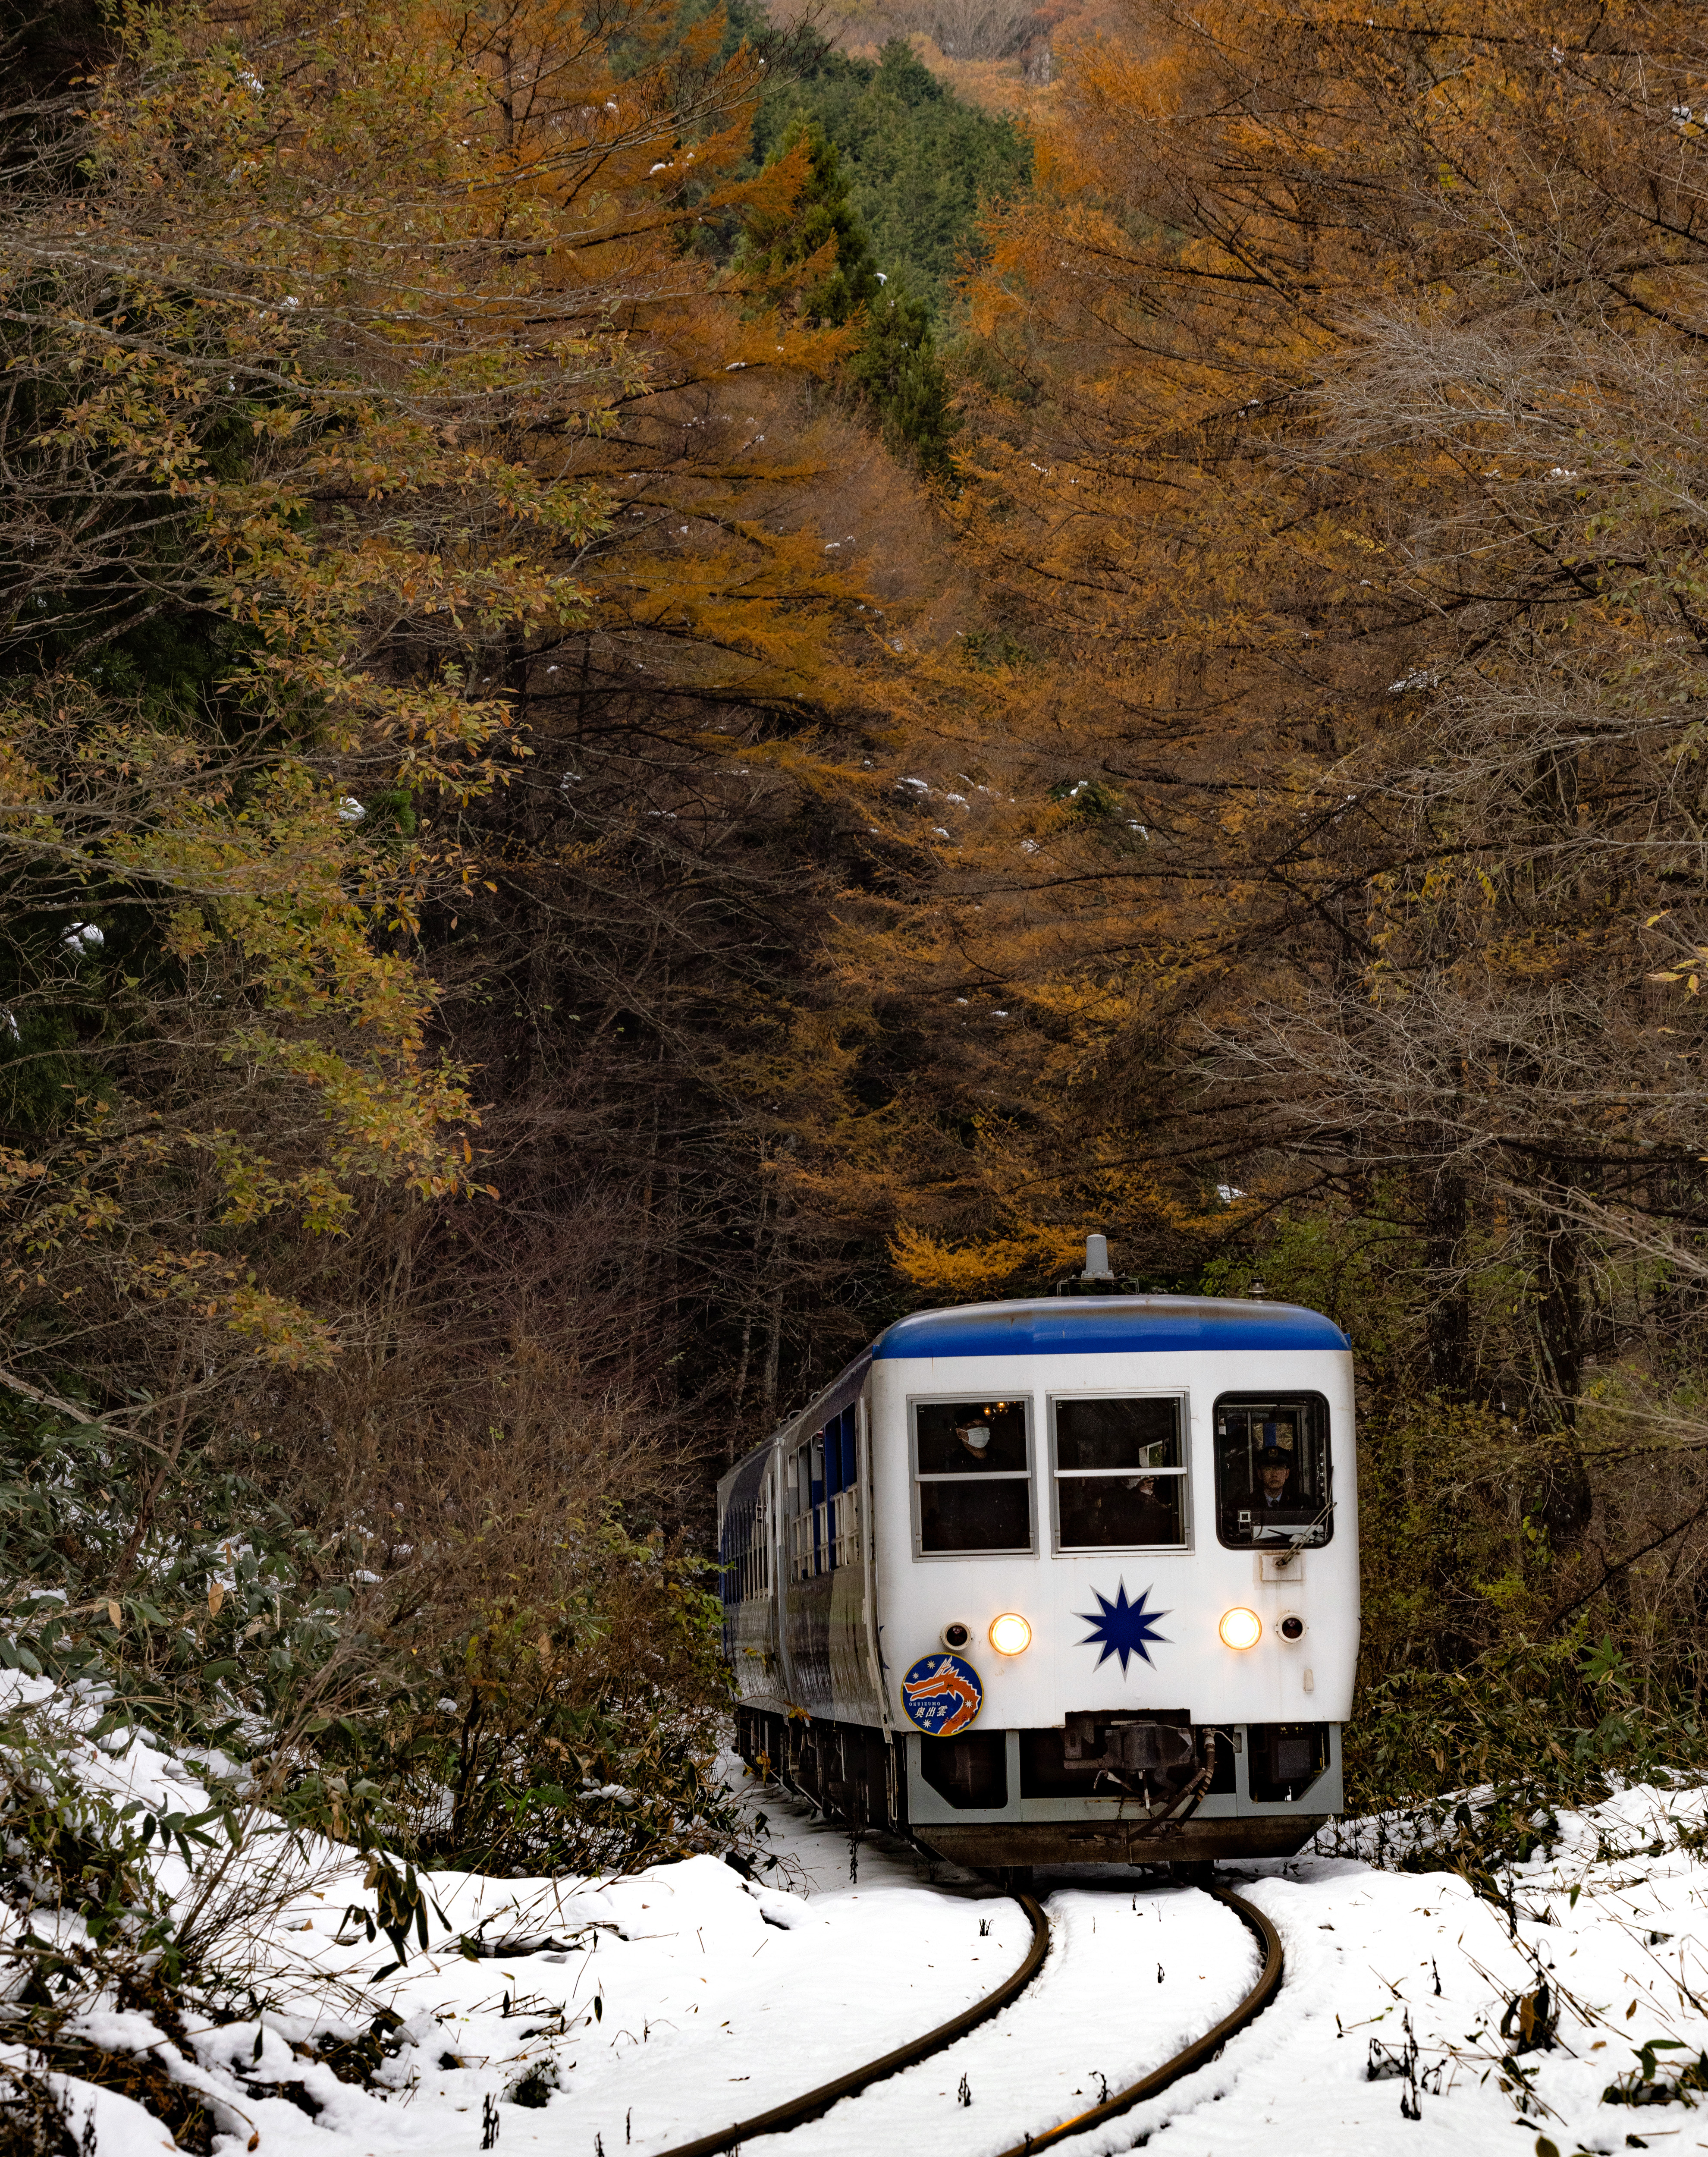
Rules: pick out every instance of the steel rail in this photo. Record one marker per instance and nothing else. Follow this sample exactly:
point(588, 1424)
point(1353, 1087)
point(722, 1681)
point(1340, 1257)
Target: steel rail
point(800, 2109)
point(1195, 2055)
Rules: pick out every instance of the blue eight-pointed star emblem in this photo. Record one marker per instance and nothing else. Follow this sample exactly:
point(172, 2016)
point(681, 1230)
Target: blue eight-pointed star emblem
point(1121, 1628)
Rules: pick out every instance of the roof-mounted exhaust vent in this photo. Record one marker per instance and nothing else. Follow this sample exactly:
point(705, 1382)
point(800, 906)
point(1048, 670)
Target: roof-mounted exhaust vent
point(1098, 1279)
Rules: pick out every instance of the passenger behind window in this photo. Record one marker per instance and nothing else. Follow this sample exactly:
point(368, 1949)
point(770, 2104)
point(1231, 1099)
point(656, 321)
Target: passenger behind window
point(974, 1476)
point(1120, 1472)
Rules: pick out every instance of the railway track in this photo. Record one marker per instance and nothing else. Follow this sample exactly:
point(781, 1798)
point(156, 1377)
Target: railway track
point(797, 2111)
point(1195, 2055)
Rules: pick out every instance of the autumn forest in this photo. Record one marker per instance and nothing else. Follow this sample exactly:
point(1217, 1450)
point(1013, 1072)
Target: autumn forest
point(667, 692)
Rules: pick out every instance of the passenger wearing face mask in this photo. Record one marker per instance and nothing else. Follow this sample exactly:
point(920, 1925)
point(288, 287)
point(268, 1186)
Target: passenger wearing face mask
point(975, 1438)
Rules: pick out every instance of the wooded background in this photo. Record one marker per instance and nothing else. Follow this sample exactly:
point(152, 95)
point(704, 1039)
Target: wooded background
point(665, 694)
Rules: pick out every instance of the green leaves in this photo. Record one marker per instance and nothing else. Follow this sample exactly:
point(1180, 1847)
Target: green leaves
point(920, 166)
point(895, 367)
point(892, 363)
point(1537, 1725)
point(1652, 2081)
point(191, 1832)
point(240, 1609)
point(817, 234)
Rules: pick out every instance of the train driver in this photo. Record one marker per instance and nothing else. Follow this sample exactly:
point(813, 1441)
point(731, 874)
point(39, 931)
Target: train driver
point(1278, 1499)
point(1274, 1474)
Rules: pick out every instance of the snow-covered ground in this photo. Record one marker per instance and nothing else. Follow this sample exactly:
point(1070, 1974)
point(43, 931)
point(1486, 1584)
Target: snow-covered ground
point(676, 2001)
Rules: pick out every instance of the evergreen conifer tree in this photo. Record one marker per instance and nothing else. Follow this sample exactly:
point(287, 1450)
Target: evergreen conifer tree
point(894, 367)
point(795, 234)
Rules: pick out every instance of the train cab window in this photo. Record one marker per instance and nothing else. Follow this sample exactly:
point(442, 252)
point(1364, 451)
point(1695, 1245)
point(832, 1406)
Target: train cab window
point(972, 1465)
point(1120, 1473)
point(1273, 1473)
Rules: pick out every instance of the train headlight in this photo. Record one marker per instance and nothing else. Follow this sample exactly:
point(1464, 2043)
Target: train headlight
point(1240, 1629)
point(1011, 1635)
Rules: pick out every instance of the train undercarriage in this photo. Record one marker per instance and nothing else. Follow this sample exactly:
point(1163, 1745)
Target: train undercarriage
point(1105, 1788)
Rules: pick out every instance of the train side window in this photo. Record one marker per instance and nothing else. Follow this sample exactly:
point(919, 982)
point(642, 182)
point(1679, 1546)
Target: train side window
point(756, 1565)
point(824, 1500)
point(746, 1549)
point(1274, 1474)
point(798, 1514)
point(972, 1468)
point(1120, 1473)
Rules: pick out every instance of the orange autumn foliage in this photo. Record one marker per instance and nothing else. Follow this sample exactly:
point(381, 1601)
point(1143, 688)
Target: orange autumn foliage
point(1289, 367)
point(392, 330)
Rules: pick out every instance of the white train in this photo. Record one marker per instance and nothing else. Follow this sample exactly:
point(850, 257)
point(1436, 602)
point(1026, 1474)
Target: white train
point(1073, 1579)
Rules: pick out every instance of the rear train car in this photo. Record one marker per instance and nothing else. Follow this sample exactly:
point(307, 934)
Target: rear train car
point(1066, 1580)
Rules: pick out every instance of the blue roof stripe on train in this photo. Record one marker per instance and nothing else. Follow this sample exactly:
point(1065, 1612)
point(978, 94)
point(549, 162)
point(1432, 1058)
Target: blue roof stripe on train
point(1105, 1325)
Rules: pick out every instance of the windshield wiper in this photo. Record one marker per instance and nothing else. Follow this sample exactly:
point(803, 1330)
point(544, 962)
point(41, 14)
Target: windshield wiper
point(1296, 1539)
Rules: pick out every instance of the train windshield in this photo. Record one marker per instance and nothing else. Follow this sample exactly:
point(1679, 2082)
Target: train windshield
point(1274, 1475)
point(972, 1466)
point(1120, 1474)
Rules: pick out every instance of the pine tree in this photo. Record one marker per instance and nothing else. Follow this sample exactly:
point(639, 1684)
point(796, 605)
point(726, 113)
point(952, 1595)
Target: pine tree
point(922, 167)
point(814, 241)
point(896, 368)
point(821, 246)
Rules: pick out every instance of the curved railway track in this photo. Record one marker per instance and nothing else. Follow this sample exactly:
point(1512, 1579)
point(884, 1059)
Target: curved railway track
point(797, 2111)
point(1195, 2055)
